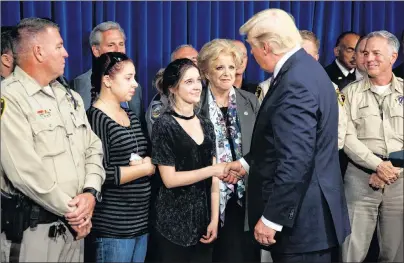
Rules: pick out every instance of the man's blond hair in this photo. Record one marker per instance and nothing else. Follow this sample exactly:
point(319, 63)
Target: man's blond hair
point(274, 27)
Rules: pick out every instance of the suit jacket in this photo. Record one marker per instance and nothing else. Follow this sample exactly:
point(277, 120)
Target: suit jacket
point(247, 109)
point(82, 85)
point(295, 180)
point(336, 75)
point(399, 71)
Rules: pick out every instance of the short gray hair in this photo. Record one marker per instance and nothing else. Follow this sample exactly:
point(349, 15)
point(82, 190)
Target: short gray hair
point(178, 48)
point(26, 31)
point(391, 39)
point(95, 36)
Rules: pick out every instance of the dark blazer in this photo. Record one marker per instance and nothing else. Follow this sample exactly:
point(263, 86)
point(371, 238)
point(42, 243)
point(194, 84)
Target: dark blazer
point(399, 71)
point(247, 109)
point(336, 75)
point(295, 179)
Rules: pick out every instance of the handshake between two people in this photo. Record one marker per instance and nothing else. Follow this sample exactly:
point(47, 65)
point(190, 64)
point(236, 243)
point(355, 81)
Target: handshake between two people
point(229, 172)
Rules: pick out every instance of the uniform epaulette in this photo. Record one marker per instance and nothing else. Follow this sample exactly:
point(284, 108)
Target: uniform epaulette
point(355, 81)
point(7, 81)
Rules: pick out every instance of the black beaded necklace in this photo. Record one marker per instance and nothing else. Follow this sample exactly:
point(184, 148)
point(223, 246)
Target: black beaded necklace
point(181, 116)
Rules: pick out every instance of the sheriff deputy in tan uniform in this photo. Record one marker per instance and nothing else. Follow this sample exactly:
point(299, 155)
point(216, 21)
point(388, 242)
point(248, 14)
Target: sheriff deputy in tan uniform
point(373, 187)
point(48, 152)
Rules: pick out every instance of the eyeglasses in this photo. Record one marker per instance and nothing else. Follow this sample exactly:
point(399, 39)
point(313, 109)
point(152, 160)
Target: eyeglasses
point(114, 61)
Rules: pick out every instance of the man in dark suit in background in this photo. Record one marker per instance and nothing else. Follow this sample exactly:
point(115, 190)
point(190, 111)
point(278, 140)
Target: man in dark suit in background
point(240, 81)
point(7, 64)
point(300, 211)
point(107, 37)
point(342, 70)
point(399, 70)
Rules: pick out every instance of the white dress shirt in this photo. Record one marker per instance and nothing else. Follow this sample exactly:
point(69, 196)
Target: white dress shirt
point(344, 70)
point(243, 162)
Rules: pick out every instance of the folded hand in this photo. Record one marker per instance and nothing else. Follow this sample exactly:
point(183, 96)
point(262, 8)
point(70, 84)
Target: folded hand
point(375, 182)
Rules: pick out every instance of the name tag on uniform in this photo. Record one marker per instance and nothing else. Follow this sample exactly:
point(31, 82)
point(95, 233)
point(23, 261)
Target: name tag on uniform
point(44, 113)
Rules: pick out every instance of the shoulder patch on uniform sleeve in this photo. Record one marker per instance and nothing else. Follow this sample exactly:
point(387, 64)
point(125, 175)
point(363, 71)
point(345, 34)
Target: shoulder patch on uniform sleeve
point(341, 97)
point(156, 110)
point(3, 106)
point(400, 100)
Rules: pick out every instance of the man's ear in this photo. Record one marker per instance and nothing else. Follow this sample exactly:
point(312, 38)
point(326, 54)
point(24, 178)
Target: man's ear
point(267, 48)
point(7, 60)
point(393, 58)
point(336, 52)
point(38, 53)
point(96, 51)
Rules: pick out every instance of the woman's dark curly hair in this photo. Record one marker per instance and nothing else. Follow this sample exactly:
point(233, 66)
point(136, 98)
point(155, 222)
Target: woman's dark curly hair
point(107, 64)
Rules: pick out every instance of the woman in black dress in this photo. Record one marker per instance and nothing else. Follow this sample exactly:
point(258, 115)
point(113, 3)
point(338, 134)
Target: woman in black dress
point(183, 148)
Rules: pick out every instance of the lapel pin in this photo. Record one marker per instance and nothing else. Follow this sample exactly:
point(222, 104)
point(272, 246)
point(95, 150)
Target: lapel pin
point(245, 113)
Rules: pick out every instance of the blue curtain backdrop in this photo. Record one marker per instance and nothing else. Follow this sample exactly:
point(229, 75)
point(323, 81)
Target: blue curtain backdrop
point(155, 28)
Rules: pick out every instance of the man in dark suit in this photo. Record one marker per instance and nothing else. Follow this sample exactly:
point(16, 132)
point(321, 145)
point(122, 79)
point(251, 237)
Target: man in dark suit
point(240, 82)
point(342, 70)
point(300, 211)
point(399, 70)
point(107, 37)
point(7, 64)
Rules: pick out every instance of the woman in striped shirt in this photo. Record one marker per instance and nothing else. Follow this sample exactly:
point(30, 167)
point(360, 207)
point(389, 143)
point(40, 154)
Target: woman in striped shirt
point(120, 221)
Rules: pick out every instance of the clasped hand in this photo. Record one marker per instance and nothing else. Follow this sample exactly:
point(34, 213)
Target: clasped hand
point(387, 172)
point(229, 172)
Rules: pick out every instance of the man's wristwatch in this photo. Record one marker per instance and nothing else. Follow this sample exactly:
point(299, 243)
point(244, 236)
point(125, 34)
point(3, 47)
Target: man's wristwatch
point(95, 193)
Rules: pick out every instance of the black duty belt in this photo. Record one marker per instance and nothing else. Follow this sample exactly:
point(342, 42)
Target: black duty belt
point(367, 170)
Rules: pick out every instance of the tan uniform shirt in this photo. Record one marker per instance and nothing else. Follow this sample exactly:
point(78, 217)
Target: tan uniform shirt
point(342, 118)
point(367, 131)
point(48, 150)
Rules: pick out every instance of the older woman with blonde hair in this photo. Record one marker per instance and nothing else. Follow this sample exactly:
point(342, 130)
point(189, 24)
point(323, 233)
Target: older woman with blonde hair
point(232, 112)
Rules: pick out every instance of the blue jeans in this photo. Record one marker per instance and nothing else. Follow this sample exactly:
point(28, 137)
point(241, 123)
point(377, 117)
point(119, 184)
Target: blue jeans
point(121, 250)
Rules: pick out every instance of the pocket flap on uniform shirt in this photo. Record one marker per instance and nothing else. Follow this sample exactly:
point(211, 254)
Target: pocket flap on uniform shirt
point(48, 123)
point(396, 111)
point(365, 111)
point(78, 121)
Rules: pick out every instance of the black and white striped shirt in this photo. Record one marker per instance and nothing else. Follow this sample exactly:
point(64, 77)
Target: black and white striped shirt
point(124, 210)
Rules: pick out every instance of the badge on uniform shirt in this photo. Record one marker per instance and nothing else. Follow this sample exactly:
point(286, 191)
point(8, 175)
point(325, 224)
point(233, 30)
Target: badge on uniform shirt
point(341, 97)
point(258, 92)
point(3, 106)
point(44, 113)
point(400, 100)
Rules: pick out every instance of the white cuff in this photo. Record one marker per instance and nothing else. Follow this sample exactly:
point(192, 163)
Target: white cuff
point(272, 225)
point(245, 165)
